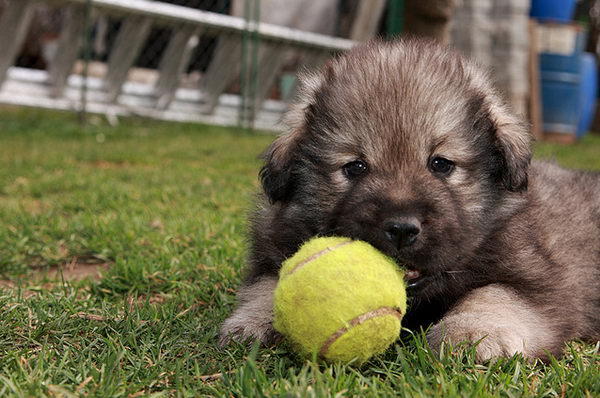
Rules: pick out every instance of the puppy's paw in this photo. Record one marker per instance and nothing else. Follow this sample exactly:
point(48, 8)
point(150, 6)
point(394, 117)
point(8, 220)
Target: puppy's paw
point(253, 319)
point(491, 339)
point(245, 328)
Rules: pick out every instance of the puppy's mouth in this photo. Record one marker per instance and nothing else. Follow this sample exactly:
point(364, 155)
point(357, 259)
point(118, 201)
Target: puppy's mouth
point(415, 279)
point(411, 274)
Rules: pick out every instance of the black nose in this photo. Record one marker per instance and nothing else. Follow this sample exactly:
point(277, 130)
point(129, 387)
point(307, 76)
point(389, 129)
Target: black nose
point(402, 232)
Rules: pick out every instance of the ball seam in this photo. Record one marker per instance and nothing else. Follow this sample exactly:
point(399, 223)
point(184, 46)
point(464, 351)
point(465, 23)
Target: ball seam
point(317, 255)
point(381, 311)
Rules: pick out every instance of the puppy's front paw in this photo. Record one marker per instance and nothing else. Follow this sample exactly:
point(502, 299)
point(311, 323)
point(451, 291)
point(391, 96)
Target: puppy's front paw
point(246, 328)
point(492, 339)
point(253, 319)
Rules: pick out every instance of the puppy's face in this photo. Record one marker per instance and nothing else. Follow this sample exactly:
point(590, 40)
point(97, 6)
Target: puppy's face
point(404, 146)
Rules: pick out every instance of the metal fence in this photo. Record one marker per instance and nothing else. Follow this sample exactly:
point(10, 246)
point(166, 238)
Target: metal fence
point(188, 60)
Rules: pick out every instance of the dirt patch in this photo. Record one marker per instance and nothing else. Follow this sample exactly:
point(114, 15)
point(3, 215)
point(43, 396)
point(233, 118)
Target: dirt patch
point(78, 268)
point(4, 284)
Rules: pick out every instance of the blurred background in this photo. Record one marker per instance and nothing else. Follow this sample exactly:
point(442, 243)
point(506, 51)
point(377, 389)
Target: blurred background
point(233, 62)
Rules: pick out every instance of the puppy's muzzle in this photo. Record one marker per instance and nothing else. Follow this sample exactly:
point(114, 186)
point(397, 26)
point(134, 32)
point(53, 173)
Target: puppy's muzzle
point(402, 232)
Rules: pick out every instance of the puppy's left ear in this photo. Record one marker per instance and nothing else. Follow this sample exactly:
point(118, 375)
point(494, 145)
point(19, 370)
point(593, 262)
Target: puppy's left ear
point(513, 141)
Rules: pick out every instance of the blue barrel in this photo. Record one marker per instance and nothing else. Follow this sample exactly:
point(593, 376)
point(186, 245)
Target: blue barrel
point(562, 83)
point(588, 92)
point(566, 62)
point(561, 100)
point(552, 10)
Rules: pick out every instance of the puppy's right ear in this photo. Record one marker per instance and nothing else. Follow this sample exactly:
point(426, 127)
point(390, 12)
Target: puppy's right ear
point(276, 175)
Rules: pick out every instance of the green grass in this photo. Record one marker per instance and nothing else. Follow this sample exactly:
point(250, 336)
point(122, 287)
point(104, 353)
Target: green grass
point(164, 206)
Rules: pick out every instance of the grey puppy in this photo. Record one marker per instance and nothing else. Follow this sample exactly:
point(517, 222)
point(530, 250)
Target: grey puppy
point(407, 146)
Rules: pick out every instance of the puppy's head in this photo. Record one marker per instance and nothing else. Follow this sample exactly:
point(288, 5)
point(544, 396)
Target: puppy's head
point(404, 145)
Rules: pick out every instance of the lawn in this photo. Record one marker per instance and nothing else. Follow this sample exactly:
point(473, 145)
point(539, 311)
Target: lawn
point(120, 252)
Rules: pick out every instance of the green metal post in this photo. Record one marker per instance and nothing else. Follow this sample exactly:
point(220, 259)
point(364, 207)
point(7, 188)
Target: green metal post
point(395, 17)
point(243, 67)
point(87, 54)
point(249, 64)
point(254, 74)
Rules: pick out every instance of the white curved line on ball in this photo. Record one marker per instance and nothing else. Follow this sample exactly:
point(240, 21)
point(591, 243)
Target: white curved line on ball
point(317, 255)
point(357, 321)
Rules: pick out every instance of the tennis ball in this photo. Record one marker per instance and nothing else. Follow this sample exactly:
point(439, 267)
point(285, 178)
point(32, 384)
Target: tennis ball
point(339, 298)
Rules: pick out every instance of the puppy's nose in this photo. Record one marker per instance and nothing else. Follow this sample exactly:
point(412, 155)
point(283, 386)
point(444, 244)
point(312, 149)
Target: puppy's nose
point(402, 232)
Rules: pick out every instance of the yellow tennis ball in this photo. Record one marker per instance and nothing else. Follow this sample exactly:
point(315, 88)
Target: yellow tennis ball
point(339, 298)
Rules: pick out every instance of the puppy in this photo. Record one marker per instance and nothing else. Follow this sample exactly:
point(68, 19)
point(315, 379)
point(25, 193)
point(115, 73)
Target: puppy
point(407, 146)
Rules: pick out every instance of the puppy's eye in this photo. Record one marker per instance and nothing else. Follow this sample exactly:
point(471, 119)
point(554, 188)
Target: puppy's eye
point(441, 166)
point(354, 169)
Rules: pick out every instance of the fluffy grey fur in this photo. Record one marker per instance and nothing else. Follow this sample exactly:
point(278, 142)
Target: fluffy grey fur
point(508, 250)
